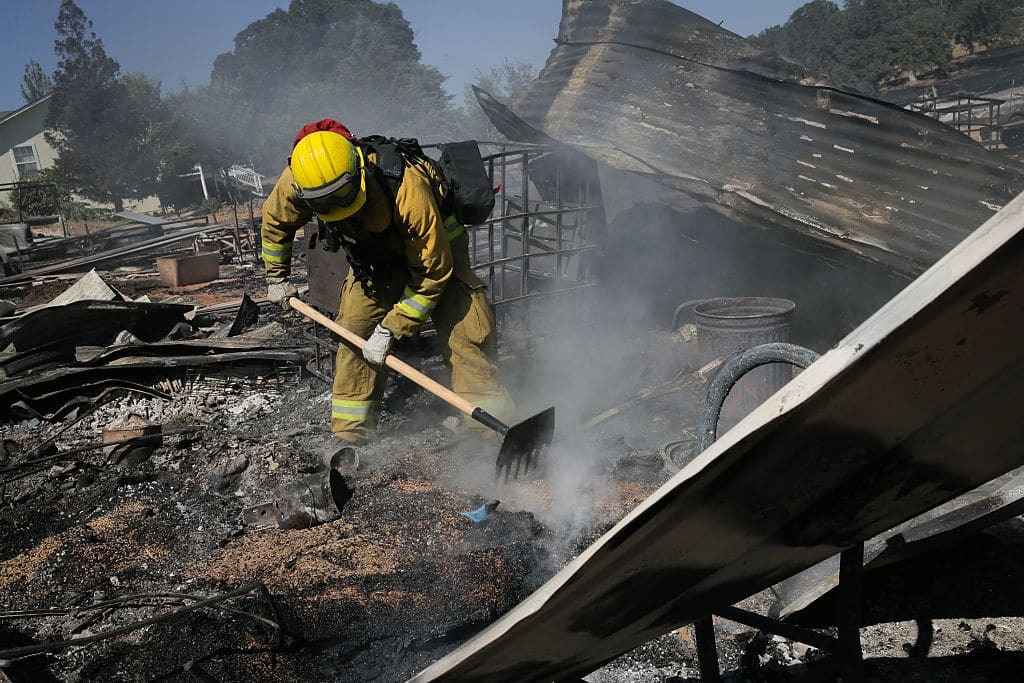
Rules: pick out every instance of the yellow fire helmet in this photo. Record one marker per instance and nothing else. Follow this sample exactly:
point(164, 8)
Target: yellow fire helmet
point(329, 175)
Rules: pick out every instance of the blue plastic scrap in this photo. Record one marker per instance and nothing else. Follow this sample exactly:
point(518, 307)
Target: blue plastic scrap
point(481, 513)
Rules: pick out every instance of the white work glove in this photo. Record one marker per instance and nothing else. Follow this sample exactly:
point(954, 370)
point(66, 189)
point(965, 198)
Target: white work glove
point(378, 346)
point(279, 290)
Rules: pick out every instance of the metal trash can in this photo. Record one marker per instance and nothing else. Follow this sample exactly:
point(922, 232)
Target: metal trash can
point(729, 325)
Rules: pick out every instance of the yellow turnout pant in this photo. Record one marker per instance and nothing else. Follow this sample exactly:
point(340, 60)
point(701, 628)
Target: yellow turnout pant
point(467, 336)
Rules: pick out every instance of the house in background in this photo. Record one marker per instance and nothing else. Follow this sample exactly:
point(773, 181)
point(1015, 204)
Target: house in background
point(23, 149)
point(24, 152)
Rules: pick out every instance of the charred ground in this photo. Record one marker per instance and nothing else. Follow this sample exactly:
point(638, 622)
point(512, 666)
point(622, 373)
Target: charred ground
point(400, 578)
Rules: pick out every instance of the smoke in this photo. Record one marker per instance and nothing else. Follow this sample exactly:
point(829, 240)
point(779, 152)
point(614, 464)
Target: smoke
point(590, 351)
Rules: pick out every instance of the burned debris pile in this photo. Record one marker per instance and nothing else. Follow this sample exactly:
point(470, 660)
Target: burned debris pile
point(60, 355)
point(679, 208)
point(166, 511)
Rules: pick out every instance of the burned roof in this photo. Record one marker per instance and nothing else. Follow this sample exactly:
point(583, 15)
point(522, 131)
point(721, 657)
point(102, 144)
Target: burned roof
point(648, 87)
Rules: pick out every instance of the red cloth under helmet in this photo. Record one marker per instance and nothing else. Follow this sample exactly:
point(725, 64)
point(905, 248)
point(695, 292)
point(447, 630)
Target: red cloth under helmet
point(323, 124)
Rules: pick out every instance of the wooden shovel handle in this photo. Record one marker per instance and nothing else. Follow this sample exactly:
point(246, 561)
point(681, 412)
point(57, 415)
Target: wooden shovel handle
point(402, 368)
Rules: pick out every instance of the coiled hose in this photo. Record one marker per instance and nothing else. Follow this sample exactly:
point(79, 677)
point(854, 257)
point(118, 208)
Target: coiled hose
point(731, 372)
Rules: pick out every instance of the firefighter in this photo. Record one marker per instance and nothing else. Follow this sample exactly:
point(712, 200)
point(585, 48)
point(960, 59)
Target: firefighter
point(408, 264)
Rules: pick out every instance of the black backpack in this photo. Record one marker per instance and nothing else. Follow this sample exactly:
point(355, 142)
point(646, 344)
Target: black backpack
point(468, 183)
point(464, 190)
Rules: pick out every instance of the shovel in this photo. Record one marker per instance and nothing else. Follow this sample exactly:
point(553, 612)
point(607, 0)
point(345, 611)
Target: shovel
point(522, 443)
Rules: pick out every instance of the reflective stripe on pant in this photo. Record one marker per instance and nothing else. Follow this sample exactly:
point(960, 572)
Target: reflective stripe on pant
point(467, 336)
point(357, 384)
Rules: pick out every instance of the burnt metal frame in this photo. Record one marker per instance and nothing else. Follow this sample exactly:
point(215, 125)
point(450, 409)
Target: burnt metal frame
point(323, 350)
point(845, 646)
point(19, 186)
point(964, 118)
point(517, 223)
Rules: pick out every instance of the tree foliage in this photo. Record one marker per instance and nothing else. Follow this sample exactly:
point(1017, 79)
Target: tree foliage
point(105, 127)
point(35, 83)
point(43, 195)
point(507, 83)
point(983, 22)
point(815, 35)
point(868, 42)
point(353, 60)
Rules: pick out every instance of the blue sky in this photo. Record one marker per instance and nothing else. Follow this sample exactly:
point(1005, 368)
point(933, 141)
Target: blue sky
point(176, 41)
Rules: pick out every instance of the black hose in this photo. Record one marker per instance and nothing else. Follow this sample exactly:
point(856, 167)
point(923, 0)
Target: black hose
point(731, 372)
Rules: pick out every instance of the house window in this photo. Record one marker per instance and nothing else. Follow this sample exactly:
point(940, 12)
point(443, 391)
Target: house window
point(25, 161)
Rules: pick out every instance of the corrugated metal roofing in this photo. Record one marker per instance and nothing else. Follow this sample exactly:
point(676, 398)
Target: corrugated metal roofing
point(649, 87)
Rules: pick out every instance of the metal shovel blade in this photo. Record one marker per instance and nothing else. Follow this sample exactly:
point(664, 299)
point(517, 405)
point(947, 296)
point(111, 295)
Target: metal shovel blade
point(523, 444)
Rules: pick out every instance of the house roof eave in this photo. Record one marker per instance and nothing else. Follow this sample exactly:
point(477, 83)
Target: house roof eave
point(4, 118)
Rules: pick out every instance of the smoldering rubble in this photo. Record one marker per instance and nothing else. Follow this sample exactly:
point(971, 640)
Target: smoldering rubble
point(167, 513)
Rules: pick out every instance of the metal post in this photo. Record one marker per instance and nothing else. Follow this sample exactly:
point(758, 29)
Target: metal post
point(991, 110)
point(60, 211)
point(504, 205)
point(254, 241)
point(707, 650)
point(88, 235)
point(490, 231)
point(202, 181)
point(524, 273)
point(316, 347)
point(21, 257)
point(238, 237)
point(851, 586)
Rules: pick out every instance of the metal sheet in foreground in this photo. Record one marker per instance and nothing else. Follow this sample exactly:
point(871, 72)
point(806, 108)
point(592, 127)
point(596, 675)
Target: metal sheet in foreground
point(916, 406)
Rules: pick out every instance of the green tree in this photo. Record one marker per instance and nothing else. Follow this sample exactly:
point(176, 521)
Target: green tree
point(896, 36)
point(507, 83)
point(869, 42)
point(811, 32)
point(43, 195)
point(353, 60)
point(35, 83)
point(818, 35)
point(103, 126)
point(148, 134)
point(980, 23)
point(927, 43)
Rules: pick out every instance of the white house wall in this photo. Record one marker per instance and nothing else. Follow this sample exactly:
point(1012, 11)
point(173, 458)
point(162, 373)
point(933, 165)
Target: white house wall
point(26, 128)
